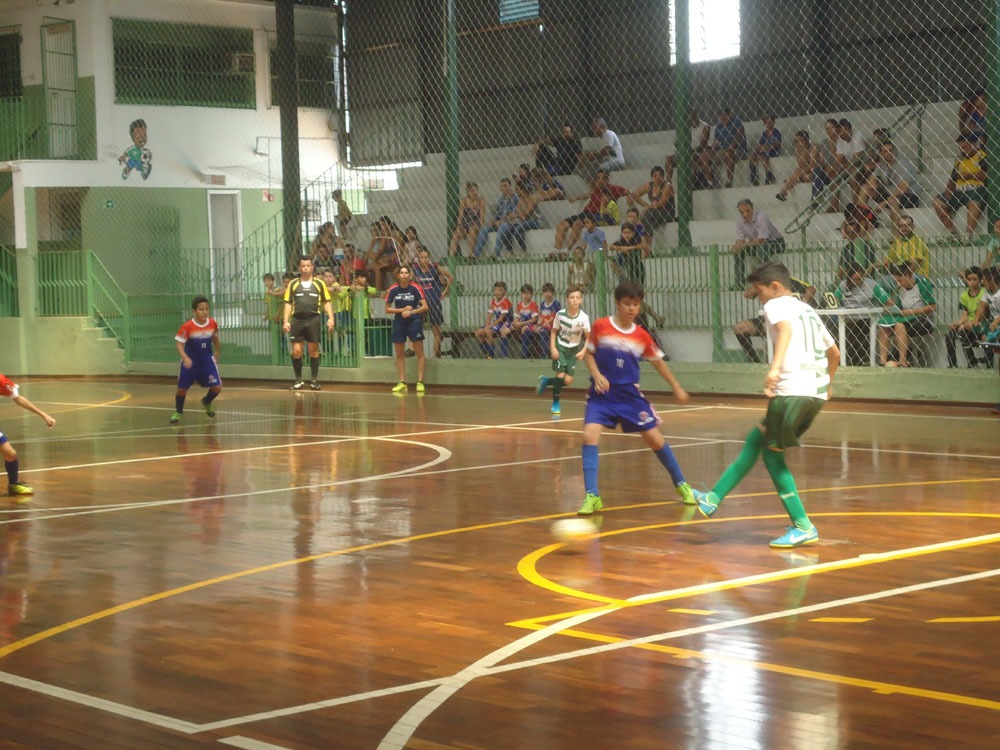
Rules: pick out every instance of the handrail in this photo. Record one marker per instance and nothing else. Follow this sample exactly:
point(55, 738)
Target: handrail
point(805, 216)
point(108, 290)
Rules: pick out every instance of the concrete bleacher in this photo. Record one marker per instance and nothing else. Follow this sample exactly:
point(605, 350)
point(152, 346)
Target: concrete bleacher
point(420, 198)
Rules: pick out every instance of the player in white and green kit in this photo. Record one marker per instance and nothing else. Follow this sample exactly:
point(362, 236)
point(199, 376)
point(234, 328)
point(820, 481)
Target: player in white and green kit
point(797, 386)
point(569, 334)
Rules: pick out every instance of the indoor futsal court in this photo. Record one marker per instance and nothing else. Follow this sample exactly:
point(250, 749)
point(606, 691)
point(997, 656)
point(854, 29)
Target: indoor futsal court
point(353, 569)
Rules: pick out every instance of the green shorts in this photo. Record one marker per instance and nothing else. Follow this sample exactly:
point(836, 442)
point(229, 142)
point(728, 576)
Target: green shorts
point(567, 361)
point(961, 198)
point(787, 419)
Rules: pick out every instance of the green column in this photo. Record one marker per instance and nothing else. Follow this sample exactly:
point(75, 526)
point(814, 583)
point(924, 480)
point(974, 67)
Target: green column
point(993, 100)
point(451, 166)
point(682, 124)
point(288, 104)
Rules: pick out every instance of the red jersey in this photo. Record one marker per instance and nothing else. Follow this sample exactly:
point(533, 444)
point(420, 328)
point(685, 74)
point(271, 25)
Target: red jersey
point(197, 339)
point(500, 311)
point(8, 388)
point(618, 352)
point(594, 207)
point(526, 312)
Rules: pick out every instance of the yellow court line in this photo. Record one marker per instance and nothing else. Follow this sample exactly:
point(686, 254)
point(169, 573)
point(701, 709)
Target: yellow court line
point(846, 620)
point(527, 565)
point(125, 396)
point(966, 619)
point(882, 688)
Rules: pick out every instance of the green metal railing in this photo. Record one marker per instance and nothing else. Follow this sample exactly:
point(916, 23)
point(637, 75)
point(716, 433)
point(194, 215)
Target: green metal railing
point(108, 304)
point(22, 129)
point(62, 282)
point(8, 283)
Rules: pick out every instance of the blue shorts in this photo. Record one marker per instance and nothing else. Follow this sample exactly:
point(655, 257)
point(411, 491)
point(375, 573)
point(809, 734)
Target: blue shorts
point(411, 328)
point(622, 405)
point(203, 372)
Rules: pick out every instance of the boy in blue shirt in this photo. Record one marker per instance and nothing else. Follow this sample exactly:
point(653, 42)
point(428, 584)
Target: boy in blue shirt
point(614, 349)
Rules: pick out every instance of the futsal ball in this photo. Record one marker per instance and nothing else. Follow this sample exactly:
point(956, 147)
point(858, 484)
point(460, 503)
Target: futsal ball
point(892, 363)
point(573, 530)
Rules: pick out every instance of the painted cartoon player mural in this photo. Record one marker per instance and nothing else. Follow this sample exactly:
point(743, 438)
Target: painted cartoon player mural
point(137, 156)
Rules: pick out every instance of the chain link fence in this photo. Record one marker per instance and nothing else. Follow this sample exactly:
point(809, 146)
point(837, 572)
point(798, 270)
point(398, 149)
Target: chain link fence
point(200, 167)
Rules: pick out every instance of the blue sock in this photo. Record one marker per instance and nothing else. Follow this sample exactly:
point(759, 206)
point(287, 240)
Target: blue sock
point(669, 461)
point(210, 397)
point(179, 403)
point(11, 471)
point(590, 469)
point(503, 348)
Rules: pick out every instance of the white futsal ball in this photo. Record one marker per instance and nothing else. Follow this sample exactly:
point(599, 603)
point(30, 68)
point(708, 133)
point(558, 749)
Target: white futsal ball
point(573, 530)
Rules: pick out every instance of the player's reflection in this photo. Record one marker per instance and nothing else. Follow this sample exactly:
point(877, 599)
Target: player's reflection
point(14, 580)
point(206, 476)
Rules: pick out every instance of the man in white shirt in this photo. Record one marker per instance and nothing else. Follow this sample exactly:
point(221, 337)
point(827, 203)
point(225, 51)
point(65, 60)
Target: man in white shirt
point(894, 183)
point(757, 239)
point(701, 155)
point(608, 157)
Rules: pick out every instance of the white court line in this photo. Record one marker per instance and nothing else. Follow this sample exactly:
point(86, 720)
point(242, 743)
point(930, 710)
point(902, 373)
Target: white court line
point(248, 744)
point(891, 414)
point(407, 725)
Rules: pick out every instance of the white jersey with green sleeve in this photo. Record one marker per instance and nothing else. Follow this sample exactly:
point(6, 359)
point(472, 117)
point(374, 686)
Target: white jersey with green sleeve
point(570, 331)
point(804, 371)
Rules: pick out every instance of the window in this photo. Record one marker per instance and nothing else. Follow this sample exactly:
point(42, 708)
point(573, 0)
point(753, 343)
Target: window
point(512, 11)
point(315, 70)
point(186, 64)
point(714, 30)
point(10, 63)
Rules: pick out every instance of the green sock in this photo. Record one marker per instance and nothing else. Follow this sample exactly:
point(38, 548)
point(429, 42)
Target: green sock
point(784, 483)
point(557, 386)
point(743, 463)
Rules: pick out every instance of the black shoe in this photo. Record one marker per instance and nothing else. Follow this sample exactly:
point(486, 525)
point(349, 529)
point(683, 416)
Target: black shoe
point(769, 179)
point(781, 197)
point(298, 385)
point(314, 384)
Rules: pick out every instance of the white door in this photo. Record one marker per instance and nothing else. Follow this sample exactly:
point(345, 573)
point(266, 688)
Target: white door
point(59, 50)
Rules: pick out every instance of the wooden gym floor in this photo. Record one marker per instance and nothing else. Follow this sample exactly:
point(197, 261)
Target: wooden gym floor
point(352, 569)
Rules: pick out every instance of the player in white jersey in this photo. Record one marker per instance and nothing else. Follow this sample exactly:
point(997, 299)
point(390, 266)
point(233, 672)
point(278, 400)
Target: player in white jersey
point(566, 345)
point(797, 385)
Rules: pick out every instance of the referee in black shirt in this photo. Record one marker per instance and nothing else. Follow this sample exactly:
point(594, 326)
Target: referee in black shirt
point(304, 298)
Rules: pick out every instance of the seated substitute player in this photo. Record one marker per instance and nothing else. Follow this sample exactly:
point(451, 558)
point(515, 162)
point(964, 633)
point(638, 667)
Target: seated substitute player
point(566, 345)
point(199, 346)
point(304, 298)
point(525, 321)
point(10, 389)
point(797, 385)
point(406, 302)
point(498, 319)
point(614, 349)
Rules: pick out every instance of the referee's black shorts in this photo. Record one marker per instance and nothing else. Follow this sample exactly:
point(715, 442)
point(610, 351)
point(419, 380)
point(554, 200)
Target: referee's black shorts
point(305, 328)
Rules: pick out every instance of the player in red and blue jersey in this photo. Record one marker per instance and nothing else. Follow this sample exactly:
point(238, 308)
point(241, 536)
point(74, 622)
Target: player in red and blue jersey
point(499, 315)
point(548, 308)
point(198, 344)
point(9, 389)
point(615, 347)
point(525, 321)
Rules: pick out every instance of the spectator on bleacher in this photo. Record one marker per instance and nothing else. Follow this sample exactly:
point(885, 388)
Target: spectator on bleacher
point(321, 249)
point(631, 266)
point(504, 210)
point(829, 167)
point(893, 183)
point(909, 311)
point(856, 291)
point(858, 249)
point(993, 247)
point(344, 214)
point(523, 174)
point(608, 157)
point(559, 154)
point(972, 116)
point(850, 155)
point(966, 187)
point(701, 155)
point(632, 217)
point(810, 167)
point(592, 239)
point(411, 246)
point(349, 264)
point(573, 224)
point(471, 216)
point(383, 250)
point(547, 187)
point(768, 147)
point(730, 143)
point(523, 218)
point(757, 240)
point(582, 271)
point(909, 248)
point(987, 320)
point(657, 198)
point(435, 281)
point(745, 330)
point(962, 327)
